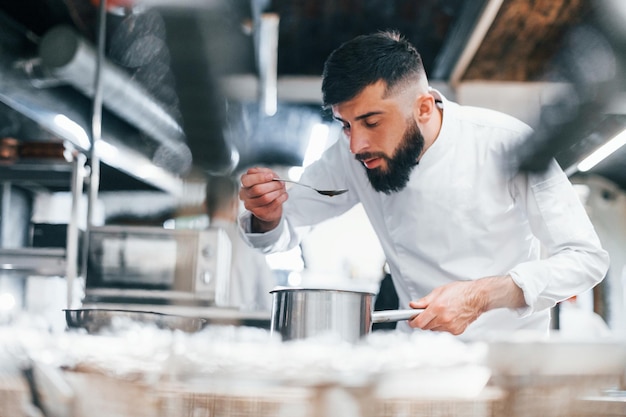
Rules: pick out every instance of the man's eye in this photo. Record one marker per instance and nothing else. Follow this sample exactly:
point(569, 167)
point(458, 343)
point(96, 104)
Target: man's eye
point(371, 124)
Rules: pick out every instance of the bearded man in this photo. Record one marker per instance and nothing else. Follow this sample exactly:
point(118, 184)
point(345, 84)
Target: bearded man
point(460, 228)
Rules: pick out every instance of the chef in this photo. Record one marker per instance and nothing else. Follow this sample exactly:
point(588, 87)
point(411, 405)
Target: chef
point(251, 278)
point(460, 227)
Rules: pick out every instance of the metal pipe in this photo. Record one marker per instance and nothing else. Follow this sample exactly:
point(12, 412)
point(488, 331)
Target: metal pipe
point(480, 31)
point(5, 206)
point(72, 244)
point(68, 57)
point(96, 132)
point(96, 114)
point(63, 113)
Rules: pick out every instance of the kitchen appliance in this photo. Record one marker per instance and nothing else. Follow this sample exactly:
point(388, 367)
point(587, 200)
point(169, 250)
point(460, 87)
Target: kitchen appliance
point(157, 266)
point(299, 313)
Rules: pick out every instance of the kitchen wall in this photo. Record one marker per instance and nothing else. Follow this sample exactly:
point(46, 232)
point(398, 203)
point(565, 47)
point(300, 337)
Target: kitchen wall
point(520, 99)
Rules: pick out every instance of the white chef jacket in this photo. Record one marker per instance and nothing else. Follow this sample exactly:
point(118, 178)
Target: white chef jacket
point(251, 278)
point(464, 214)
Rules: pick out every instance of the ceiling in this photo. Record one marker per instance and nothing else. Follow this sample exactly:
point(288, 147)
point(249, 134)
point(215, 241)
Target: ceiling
point(181, 52)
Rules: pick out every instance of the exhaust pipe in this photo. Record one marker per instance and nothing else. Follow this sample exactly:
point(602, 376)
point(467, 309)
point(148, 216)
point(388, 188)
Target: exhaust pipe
point(71, 59)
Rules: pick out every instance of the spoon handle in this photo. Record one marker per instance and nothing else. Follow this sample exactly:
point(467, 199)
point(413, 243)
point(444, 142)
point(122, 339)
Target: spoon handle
point(328, 193)
point(293, 182)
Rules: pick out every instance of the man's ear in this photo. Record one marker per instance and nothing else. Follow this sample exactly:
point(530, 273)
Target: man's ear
point(423, 108)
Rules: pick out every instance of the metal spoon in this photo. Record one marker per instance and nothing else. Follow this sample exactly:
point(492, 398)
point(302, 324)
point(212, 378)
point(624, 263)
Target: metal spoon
point(329, 193)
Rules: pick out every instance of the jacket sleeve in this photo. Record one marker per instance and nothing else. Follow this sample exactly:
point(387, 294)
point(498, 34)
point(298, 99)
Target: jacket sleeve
point(282, 238)
point(306, 208)
point(574, 259)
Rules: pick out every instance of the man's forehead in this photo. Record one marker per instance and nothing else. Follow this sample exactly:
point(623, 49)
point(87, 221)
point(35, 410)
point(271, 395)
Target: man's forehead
point(368, 99)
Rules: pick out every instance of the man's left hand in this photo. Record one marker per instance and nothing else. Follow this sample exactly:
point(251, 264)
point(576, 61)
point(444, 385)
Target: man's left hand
point(453, 307)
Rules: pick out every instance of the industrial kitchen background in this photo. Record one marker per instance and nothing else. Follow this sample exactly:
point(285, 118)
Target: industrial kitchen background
point(114, 112)
point(191, 87)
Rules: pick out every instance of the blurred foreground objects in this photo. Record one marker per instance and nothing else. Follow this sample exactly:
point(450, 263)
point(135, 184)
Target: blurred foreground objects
point(592, 60)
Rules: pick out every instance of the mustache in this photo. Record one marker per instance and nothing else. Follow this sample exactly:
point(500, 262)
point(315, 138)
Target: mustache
point(369, 155)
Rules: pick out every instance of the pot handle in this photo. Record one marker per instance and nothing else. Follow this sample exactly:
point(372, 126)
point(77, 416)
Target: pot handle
point(383, 316)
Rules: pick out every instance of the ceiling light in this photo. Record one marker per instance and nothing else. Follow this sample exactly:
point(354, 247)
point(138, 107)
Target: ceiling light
point(128, 161)
point(267, 56)
point(106, 151)
point(602, 152)
point(71, 128)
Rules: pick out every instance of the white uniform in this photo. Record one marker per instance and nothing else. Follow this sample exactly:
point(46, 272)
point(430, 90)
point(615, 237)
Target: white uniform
point(463, 215)
point(251, 279)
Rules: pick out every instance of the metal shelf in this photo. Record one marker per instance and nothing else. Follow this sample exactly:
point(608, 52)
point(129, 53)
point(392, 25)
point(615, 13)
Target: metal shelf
point(34, 261)
point(38, 173)
point(63, 112)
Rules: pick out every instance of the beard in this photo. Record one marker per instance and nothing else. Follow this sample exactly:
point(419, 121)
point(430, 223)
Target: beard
point(399, 166)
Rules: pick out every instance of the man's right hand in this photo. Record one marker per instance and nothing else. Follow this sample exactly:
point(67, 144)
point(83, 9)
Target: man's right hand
point(263, 197)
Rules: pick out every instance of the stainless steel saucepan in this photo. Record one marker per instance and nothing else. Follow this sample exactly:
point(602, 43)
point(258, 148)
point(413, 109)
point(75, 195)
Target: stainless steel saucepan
point(299, 313)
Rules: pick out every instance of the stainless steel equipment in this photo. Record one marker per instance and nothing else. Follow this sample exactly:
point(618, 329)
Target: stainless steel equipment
point(299, 313)
point(152, 265)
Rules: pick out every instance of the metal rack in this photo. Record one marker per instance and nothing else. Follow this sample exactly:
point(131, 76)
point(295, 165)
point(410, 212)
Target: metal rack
point(38, 174)
point(128, 145)
point(48, 173)
point(35, 261)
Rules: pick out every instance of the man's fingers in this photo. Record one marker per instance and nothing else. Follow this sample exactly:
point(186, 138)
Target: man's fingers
point(256, 186)
point(255, 176)
point(267, 201)
point(422, 320)
point(421, 303)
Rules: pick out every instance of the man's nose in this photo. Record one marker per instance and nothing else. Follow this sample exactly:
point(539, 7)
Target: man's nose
point(358, 142)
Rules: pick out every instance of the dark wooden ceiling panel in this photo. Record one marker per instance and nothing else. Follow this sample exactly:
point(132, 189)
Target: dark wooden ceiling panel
point(523, 38)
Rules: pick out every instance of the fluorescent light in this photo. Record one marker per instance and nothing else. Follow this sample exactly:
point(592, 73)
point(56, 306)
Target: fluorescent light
point(106, 151)
point(70, 127)
point(111, 155)
point(137, 165)
point(148, 171)
point(602, 152)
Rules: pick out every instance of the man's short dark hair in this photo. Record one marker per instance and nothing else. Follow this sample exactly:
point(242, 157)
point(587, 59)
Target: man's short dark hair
point(220, 192)
point(365, 60)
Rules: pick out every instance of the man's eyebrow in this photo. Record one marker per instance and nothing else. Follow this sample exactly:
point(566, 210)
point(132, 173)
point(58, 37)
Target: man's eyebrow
point(361, 117)
point(366, 115)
